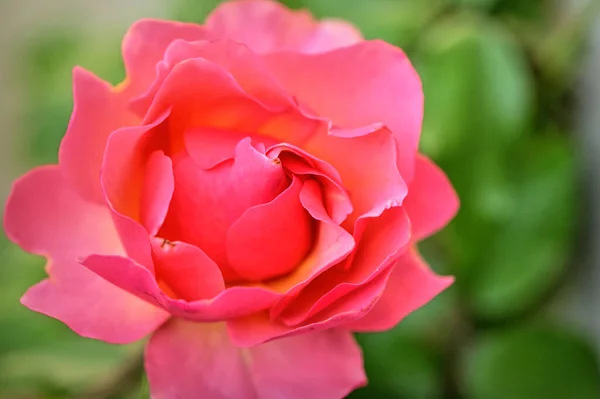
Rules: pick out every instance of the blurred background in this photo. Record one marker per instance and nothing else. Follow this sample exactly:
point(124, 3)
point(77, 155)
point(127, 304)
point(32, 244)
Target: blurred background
point(512, 115)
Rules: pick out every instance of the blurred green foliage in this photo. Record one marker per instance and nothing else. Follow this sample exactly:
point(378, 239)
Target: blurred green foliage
point(497, 76)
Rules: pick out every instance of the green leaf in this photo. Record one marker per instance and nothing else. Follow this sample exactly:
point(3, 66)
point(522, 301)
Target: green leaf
point(145, 389)
point(46, 121)
point(396, 21)
point(48, 56)
point(398, 366)
point(71, 364)
point(193, 10)
point(478, 89)
point(48, 65)
point(530, 363)
point(487, 4)
point(41, 356)
point(478, 105)
point(405, 362)
point(432, 323)
point(529, 253)
point(530, 10)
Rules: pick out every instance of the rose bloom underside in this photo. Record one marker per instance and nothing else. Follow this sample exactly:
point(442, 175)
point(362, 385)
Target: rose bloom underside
point(248, 197)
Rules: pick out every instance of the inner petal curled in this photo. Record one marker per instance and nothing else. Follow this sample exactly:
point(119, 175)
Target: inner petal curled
point(206, 203)
point(272, 239)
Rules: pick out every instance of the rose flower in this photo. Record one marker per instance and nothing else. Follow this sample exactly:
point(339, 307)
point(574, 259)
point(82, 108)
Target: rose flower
point(248, 197)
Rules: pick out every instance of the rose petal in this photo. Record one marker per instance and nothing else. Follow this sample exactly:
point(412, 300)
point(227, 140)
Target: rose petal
point(268, 26)
point(97, 111)
point(196, 360)
point(186, 270)
point(125, 163)
point(331, 34)
point(367, 166)
point(122, 176)
point(91, 306)
point(207, 202)
point(299, 162)
point(411, 285)
point(431, 202)
point(236, 301)
point(382, 243)
point(325, 364)
point(237, 59)
point(370, 82)
point(321, 365)
point(261, 327)
point(145, 44)
point(333, 244)
point(218, 101)
point(157, 190)
point(44, 215)
point(215, 99)
point(209, 147)
point(271, 239)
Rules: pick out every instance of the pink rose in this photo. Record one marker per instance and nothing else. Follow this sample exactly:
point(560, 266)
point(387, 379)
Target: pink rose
point(250, 195)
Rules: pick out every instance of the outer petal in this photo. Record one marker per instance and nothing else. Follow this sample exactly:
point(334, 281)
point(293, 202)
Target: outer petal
point(267, 26)
point(431, 200)
point(367, 166)
point(233, 302)
point(188, 360)
point(237, 59)
point(91, 306)
point(196, 360)
point(368, 83)
point(217, 100)
point(144, 46)
point(326, 364)
point(331, 34)
point(45, 216)
point(383, 241)
point(411, 285)
point(125, 168)
point(261, 327)
point(98, 110)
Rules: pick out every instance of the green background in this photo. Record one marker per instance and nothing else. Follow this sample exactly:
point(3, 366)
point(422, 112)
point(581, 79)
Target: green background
point(498, 77)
